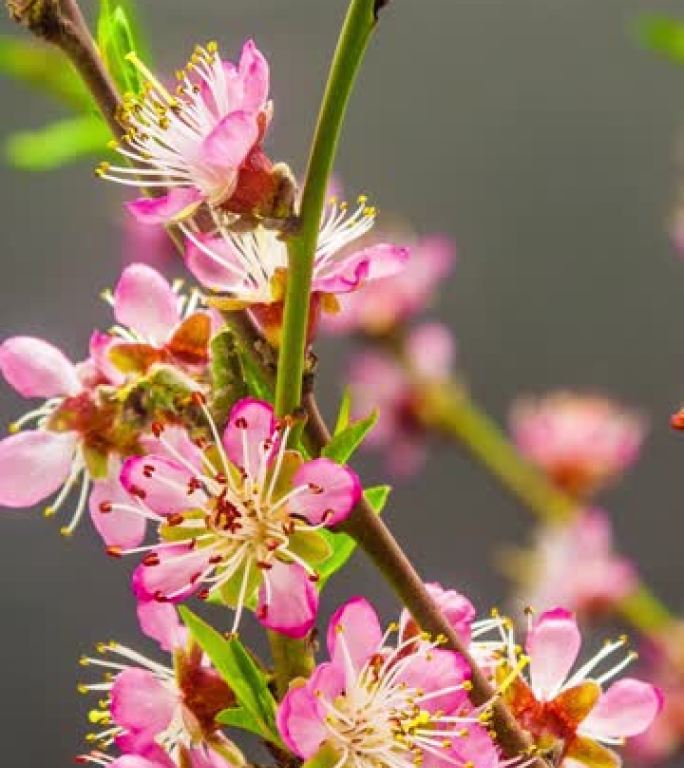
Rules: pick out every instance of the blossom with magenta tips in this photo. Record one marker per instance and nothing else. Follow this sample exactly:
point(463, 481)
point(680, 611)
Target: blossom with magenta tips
point(570, 714)
point(249, 269)
point(583, 442)
point(383, 304)
point(238, 517)
point(155, 711)
point(200, 143)
point(375, 703)
point(379, 380)
point(548, 575)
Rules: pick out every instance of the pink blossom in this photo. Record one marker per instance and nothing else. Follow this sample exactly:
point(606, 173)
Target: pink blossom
point(572, 713)
point(583, 442)
point(250, 268)
point(155, 711)
point(383, 304)
point(375, 703)
point(238, 519)
point(456, 607)
point(203, 142)
point(146, 243)
point(395, 388)
point(548, 574)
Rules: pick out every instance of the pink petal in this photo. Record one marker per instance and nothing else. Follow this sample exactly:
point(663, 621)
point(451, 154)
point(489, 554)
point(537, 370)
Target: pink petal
point(290, 604)
point(251, 423)
point(552, 645)
point(145, 302)
point(431, 349)
point(227, 146)
point(136, 761)
point(33, 465)
point(354, 625)
point(456, 607)
point(300, 723)
point(174, 443)
point(372, 263)
point(254, 73)
point(177, 204)
point(37, 369)
point(141, 702)
point(626, 709)
point(174, 578)
point(215, 263)
point(161, 483)
point(117, 527)
point(100, 344)
point(477, 749)
point(433, 670)
point(160, 622)
point(332, 492)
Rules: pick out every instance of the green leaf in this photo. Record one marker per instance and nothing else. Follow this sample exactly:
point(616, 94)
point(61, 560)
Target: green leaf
point(662, 35)
point(238, 669)
point(46, 68)
point(343, 546)
point(344, 413)
point(238, 717)
point(58, 143)
point(344, 443)
point(117, 36)
point(227, 374)
point(327, 756)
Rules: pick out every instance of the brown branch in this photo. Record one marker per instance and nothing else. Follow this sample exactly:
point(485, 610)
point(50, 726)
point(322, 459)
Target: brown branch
point(377, 541)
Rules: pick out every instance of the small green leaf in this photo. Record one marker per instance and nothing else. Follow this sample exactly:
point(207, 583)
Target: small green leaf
point(239, 717)
point(238, 669)
point(344, 443)
point(58, 143)
point(117, 36)
point(344, 414)
point(227, 374)
point(343, 546)
point(46, 68)
point(662, 35)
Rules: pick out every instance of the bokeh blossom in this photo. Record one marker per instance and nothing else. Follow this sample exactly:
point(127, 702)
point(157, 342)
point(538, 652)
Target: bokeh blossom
point(238, 517)
point(395, 387)
point(582, 442)
point(571, 715)
point(549, 575)
point(156, 711)
point(200, 143)
point(377, 703)
point(388, 302)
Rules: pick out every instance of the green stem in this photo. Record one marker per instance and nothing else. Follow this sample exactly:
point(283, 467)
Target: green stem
point(356, 32)
point(450, 411)
point(291, 659)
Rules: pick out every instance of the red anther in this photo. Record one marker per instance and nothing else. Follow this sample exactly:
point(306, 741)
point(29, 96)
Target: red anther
point(160, 597)
point(267, 444)
point(175, 519)
point(151, 559)
point(105, 507)
point(215, 559)
point(271, 546)
point(315, 488)
point(198, 398)
point(327, 515)
point(134, 490)
point(677, 420)
point(314, 577)
point(262, 612)
point(148, 470)
point(220, 478)
point(264, 565)
point(157, 428)
point(194, 484)
point(203, 594)
point(241, 422)
point(81, 759)
point(195, 576)
point(201, 442)
point(114, 551)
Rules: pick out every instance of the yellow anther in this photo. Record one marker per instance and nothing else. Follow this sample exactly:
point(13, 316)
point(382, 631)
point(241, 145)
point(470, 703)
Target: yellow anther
point(91, 737)
point(49, 512)
point(13, 428)
point(96, 716)
point(393, 627)
point(467, 685)
point(514, 674)
point(362, 199)
point(82, 688)
point(212, 46)
point(66, 531)
point(84, 661)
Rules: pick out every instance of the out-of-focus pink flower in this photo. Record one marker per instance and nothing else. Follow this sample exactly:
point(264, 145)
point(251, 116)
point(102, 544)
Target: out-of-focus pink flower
point(202, 143)
point(379, 381)
point(383, 304)
point(575, 565)
point(370, 692)
point(571, 713)
point(244, 513)
point(153, 711)
point(250, 269)
point(146, 244)
point(583, 442)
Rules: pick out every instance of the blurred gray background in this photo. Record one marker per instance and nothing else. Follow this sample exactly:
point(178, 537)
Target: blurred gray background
point(539, 136)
